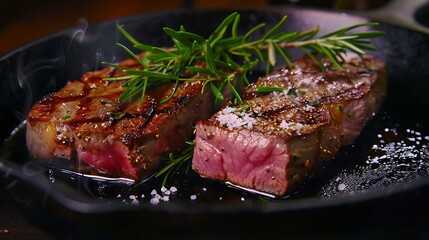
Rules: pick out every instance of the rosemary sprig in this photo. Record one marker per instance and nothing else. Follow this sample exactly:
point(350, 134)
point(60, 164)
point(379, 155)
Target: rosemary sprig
point(175, 162)
point(227, 57)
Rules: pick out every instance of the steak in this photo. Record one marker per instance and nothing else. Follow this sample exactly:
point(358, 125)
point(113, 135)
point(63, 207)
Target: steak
point(274, 140)
point(85, 121)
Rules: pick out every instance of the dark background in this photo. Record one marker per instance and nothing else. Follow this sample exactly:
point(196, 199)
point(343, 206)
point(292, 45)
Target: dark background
point(22, 21)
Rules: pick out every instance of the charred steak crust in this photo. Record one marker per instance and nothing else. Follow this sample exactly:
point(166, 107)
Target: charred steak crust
point(85, 121)
point(274, 140)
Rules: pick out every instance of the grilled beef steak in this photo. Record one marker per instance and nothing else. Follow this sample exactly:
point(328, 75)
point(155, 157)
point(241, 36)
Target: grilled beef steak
point(273, 140)
point(86, 122)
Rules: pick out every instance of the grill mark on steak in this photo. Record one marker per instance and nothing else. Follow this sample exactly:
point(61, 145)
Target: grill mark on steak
point(273, 141)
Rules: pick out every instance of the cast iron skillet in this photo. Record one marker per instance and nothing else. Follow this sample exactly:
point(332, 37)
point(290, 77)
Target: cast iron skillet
point(354, 195)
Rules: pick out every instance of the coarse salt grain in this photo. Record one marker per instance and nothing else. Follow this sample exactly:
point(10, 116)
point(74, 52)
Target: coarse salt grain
point(154, 201)
point(297, 71)
point(341, 187)
point(165, 198)
point(309, 108)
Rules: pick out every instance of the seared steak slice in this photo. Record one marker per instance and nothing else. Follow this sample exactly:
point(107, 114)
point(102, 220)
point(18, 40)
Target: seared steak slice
point(85, 121)
point(274, 140)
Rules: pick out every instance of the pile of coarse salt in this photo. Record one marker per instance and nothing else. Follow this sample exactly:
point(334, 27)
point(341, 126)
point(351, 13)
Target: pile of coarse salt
point(292, 126)
point(416, 147)
point(155, 197)
point(396, 156)
point(233, 119)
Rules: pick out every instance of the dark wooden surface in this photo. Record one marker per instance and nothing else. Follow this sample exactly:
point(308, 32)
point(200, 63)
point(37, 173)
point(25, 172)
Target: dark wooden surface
point(22, 21)
point(13, 225)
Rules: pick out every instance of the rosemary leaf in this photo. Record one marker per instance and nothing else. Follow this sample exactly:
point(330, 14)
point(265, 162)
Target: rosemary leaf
point(219, 32)
point(234, 91)
point(275, 28)
point(179, 38)
point(129, 52)
point(150, 74)
point(271, 53)
point(269, 89)
point(130, 38)
point(284, 55)
point(351, 47)
point(254, 29)
point(234, 28)
point(172, 93)
point(209, 57)
point(216, 92)
point(119, 78)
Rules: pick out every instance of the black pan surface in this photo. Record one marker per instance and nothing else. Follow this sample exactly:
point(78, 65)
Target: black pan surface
point(378, 187)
